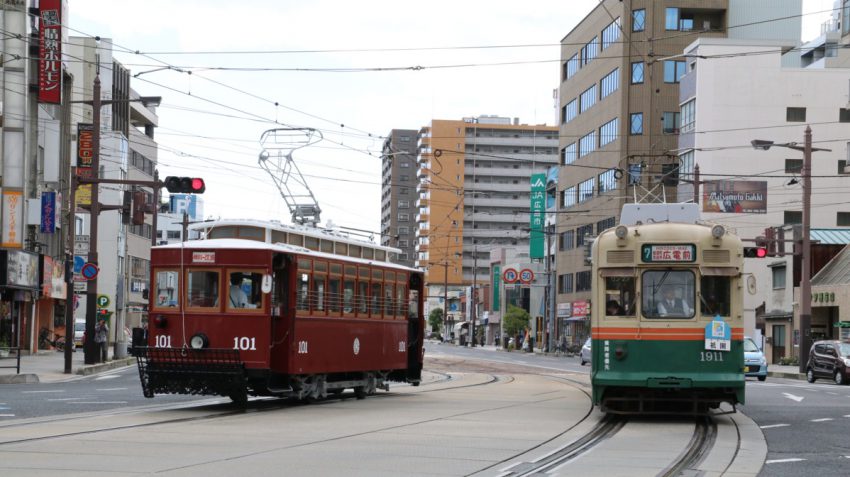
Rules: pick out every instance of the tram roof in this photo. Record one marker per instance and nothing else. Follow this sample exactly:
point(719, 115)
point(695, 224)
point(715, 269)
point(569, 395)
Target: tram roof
point(235, 244)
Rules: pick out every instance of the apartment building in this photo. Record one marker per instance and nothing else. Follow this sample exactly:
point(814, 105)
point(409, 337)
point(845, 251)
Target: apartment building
point(398, 194)
point(620, 116)
point(474, 195)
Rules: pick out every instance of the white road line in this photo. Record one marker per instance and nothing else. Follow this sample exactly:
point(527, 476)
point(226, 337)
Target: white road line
point(823, 419)
point(64, 399)
point(847, 415)
point(782, 461)
point(108, 376)
point(832, 393)
point(111, 389)
point(42, 392)
point(793, 397)
point(7, 415)
point(99, 402)
point(771, 426)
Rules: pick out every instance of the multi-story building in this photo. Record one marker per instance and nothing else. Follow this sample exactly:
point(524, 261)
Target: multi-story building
point(474, 194)
point(398, 194)
point(620, 115)
point(750, 190)
point(169, 222)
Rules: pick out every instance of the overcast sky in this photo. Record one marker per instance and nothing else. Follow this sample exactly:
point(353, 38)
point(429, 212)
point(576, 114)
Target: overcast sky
point(300, 55)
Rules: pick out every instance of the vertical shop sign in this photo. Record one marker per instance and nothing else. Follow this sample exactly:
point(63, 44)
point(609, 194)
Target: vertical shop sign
point(50, 57)
point(538, 206)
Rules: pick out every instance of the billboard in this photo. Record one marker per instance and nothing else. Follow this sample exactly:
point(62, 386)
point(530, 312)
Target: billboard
point(735, 197)
point(50, 45)
point(538, 207)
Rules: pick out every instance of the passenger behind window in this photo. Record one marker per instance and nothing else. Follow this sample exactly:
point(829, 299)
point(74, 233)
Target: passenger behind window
point(238, 298)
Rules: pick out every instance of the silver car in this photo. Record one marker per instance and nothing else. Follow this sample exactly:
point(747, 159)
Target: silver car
point(585, 352)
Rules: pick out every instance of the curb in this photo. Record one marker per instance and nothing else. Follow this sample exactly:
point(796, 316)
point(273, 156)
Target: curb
point(100, 367)
point(776, 374)
point(27, 378)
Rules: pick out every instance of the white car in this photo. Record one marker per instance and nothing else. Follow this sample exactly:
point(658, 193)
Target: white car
point(585, 352)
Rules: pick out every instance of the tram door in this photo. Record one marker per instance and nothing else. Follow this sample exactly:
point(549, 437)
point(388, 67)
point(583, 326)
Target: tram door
point(281, 314)
point(415, 328)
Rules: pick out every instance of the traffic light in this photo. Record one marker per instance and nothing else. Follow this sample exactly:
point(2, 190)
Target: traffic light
point(755, 252)
point(185, 185)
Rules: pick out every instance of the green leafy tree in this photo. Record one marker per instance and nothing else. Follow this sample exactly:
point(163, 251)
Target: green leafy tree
point(435, 319)
point(516, 320)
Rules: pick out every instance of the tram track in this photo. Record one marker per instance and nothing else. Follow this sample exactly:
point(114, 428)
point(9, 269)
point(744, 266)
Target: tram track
point(701, 443)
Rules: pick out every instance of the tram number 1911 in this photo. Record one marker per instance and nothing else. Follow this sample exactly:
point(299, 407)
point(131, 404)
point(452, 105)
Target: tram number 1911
point(711, 356)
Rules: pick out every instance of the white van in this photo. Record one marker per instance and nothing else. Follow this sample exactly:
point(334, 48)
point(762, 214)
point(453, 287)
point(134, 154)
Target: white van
point(79, 330)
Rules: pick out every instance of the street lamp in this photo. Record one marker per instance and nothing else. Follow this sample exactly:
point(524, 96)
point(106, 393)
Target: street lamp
point(805, 279)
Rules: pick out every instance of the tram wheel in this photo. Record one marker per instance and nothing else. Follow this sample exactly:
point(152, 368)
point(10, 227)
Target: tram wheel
point(360, 392)
point(239, 397)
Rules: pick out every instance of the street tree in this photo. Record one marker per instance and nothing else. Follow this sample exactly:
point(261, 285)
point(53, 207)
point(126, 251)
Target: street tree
point(516, 320)
point(435, 319)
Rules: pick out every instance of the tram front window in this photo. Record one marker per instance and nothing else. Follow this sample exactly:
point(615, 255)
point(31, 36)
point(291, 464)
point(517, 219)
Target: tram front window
point(715, 295)
point(620, 296)
point(668, 294)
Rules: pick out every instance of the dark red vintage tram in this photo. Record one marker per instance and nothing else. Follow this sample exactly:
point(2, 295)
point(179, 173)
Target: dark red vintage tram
point(236, 317)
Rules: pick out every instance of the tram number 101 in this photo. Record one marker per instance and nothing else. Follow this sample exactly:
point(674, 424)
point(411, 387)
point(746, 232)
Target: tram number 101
point(244, 343)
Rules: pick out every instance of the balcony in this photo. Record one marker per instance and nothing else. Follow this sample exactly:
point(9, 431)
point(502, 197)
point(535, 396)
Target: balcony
point(421, 202)
point(423, 217)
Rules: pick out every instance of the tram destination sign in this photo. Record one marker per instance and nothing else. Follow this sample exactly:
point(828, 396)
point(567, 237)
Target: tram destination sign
point(659, 253)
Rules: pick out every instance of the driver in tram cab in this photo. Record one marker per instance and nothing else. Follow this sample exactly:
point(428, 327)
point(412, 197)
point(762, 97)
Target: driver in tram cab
point(672, 303)
point(238, 298)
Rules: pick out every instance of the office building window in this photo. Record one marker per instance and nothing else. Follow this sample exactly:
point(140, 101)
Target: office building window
point(587, 99)
point(608, 132)
point(587, 144)
point(606, 224)
point(636, 124)
point(639, 20)
point(673, 71)
point(686, 165)
point(792, 217)
point(793, 166)
point(607, 181)
point(572, 66)
point(844, 115)
point(778, 275)
point(842, 165)
point(569, 198)
point(670, 122)
point(585, 190)
point(688, 116)
point(842, 219)
point(582, 233)
point(637, 72)
point(568, 154)
point(634, 173)
point(565, 283)
point(611, 33)
point(570, 111)
point(795, 115)
point(567, 240)
point(609, 83)
point(589, 51)
point(583, 281)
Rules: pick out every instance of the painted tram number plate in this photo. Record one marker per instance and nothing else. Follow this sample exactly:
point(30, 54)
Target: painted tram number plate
point(651, 253)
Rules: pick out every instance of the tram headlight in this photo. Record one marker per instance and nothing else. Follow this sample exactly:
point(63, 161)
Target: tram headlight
point(199, 341)
point(718, 231)
point(621, 231)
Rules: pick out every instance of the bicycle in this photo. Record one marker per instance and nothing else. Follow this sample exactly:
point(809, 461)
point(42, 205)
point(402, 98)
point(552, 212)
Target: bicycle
point(44, 339)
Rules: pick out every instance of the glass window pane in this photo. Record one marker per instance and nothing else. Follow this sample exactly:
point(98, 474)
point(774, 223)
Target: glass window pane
point(671, 19)
point(244, 290)
point(167, 289)
point(637, 72)
point(715, 296)
point(636, 123)
point(348, 296)
point(202, 289)
point(668, 294)
point(620, 296)
point(638, 20)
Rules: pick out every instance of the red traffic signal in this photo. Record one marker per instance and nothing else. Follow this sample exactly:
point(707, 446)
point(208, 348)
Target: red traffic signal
point(185, 185)
point(755, 252)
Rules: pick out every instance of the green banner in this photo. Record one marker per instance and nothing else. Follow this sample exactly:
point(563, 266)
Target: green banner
point(538, 208)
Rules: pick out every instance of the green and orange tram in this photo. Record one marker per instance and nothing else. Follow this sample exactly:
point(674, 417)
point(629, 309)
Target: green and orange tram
point(667, 333)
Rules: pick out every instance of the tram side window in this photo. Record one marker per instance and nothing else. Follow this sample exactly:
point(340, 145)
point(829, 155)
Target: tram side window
point(167, 288)
point(362, 297)
point(668, 294)
point(202, 289)
point(334, 294)
point(302, 302)
point(244, 290)
point(620, 296)
point(348, 295)
point(715, 295)
point(376, 300)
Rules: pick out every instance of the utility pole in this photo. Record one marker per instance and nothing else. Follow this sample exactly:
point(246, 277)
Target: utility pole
point(806, 244)
point(474, 297)
point(91, 352)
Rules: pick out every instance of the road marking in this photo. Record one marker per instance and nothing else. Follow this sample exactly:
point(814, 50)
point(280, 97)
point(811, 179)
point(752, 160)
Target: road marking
point(847, 415)
point(823, 419)
point(42, 392)
point(832, 393)
point(774, 425)
point(7, 415)
point(782, 461)
point(100, 402)
point(63, 399)
point(793, 397)
point(109, 376)
point(111, 389)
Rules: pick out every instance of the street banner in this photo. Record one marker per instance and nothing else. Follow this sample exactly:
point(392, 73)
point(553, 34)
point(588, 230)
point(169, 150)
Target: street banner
point(48, 212)
point(50, 46)
point(538, 207)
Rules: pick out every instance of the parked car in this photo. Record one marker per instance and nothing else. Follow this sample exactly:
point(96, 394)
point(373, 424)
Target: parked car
point(79, 333)
point(829, 359)
point(584, 355)
point(754, 362)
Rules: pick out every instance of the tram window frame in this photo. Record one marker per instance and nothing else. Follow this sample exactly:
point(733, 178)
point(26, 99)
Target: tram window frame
point(176, 288)
point(256, 280)
point(335, 291)
point(652, 297)
point(362, 297)
point(618, 288)
point(349, 300)
point(377, 294)
point(401, 293)
point(708, 289)
point(318, 294)
point(189, 298)
point(389, 295)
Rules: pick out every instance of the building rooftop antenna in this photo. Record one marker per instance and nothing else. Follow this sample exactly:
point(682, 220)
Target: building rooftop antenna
point(276, 158)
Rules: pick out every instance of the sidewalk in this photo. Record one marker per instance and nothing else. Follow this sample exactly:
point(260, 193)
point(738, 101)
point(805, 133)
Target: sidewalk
point(49, 367)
